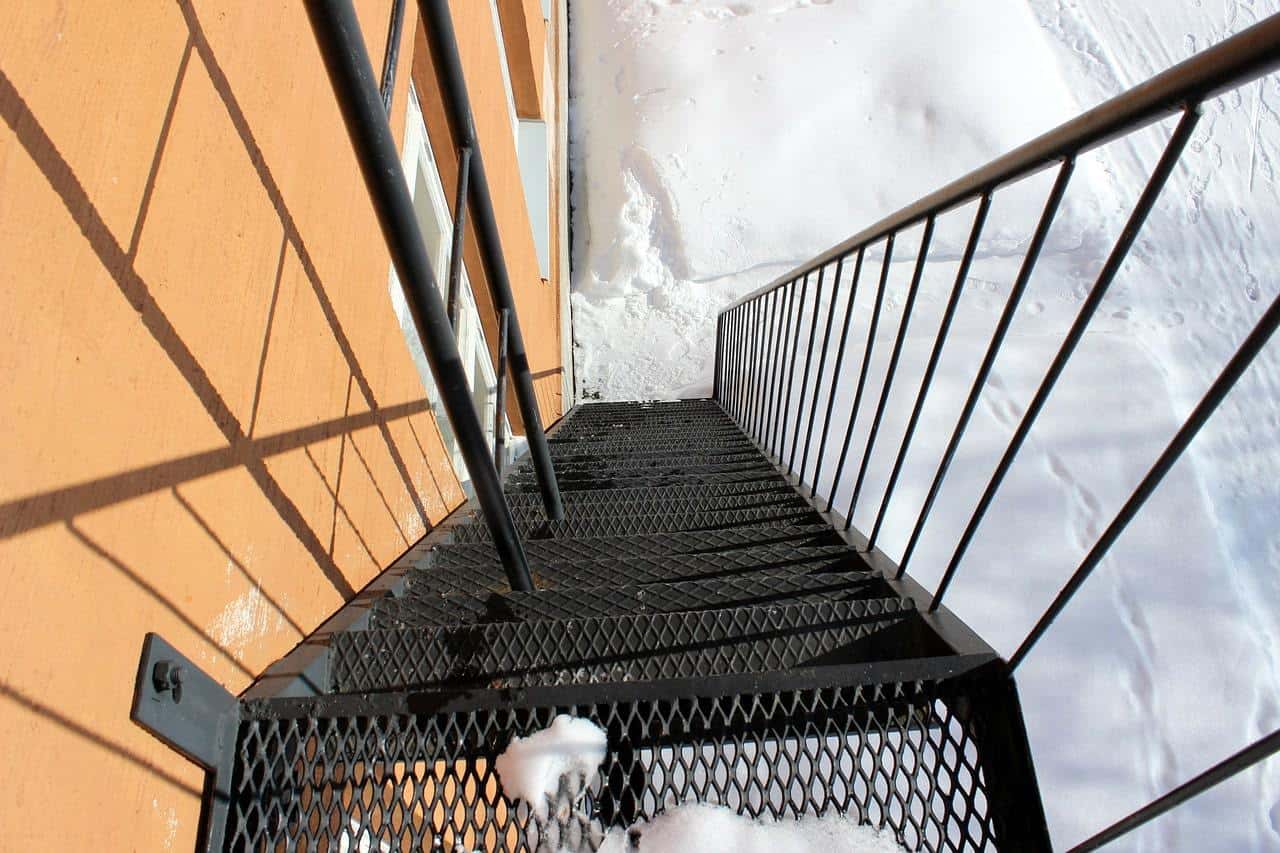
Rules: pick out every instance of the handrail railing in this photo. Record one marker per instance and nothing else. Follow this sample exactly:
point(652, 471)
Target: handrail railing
point(439, 25)
point(757, 342)
point(347, 60)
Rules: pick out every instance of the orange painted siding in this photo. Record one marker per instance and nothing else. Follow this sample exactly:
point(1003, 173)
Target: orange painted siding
point(212, 426)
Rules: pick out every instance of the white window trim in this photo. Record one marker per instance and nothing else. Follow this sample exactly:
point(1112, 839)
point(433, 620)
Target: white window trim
point(417, 158)
point(506, 69)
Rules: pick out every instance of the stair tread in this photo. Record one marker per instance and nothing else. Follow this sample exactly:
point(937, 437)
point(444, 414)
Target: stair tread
point(769, 586)
point(635, 647)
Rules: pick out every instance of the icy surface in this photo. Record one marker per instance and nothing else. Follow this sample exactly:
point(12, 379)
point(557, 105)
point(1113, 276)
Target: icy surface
point(713, 829)
point(717, 145)
point(531, 767)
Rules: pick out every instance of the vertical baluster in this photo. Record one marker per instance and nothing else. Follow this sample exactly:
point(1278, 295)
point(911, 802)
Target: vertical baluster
point(822, 363)
point(835, 374)
point(776, 366)
point(1159, 176)
point(808, 365)
point(1051, 204)
point(975, 235)
point(892, 369)
point(862, 374)
point(794, 334)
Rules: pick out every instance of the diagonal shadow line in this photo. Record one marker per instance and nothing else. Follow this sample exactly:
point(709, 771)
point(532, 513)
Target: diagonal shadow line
point(266, 338)
point(222, 85)
point(146, 586)
point(58, 172)
point(162, 142)
point(32, 511)
point(426, 461)
point(355, 448)
point(226, 551)
point(338, 508)
point(337, 480)
point(50, 714)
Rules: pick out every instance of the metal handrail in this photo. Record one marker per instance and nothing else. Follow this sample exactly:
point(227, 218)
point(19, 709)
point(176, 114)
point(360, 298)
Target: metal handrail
point(347, 61)
point(439, 25)
point(757, 344)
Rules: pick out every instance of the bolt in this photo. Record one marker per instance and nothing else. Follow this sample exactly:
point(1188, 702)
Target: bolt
point(167, 677)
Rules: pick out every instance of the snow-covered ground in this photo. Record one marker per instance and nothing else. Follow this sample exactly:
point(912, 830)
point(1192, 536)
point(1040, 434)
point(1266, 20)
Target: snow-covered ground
point(717, 145)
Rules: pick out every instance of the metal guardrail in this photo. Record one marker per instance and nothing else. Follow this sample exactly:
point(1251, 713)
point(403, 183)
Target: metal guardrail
point(757, 342)
point(355, 85)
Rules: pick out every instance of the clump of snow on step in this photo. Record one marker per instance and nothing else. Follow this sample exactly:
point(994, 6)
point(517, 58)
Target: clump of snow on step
point(531, 767)
point(709, 829)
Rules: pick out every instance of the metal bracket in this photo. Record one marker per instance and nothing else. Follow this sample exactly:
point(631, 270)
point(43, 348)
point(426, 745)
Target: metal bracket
point(189, 712)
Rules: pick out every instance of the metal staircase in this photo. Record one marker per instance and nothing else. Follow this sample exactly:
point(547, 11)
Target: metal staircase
point(735, 648)
point(674, 571)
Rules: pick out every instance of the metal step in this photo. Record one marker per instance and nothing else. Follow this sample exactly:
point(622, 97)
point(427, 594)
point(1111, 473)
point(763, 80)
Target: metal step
point(624, 462)
point(769, 587)
point(645, 504)
point(644, 647)
point(619, 497)
point(657, 522)
point(655, 481)
point(447, 573)
point(586, 450)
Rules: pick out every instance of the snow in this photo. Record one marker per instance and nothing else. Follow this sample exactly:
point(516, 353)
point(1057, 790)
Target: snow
point(571, 749)
point(714, 829)
point(531, 767)
point(717, 145)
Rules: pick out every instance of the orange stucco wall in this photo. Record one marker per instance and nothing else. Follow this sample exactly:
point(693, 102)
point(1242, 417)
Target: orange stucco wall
point(212, 427)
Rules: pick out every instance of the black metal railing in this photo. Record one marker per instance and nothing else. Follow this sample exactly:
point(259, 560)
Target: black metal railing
point(365, 113)
point(758, 341)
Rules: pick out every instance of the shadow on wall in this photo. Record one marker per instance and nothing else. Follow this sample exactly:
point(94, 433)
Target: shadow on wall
point(243, 450)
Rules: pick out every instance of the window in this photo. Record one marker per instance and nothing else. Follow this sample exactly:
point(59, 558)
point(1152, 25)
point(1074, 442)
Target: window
point(535, 174)
point(436, 225)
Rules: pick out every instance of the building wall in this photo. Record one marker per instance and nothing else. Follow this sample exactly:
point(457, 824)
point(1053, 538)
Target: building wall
point(212, 426)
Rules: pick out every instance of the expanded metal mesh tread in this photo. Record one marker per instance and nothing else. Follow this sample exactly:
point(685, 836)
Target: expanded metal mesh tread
point(644, 434)
point(696, 492)
point(586, 451)
point(628, 462)
point(656, 522)
point(710, 542)
point(591, 474)
point(894, 753)
point(655, 481)
point(773, 587)
point(654, 505)
point(645, 647)
point(646, 505)
point(472, 573)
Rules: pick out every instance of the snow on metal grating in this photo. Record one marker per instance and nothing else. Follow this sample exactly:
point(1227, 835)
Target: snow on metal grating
point(758, 588)
point(896, 755)
point(617, 648)
point(652, 522)
point(584, 451)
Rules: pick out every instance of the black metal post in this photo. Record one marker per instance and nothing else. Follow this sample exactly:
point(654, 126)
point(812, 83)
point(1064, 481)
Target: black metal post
point(835, 375)
point(459, 231)
point(862, 374)
point(392, 57)
point(817, 384)
point(775, 367)
point(439, 26)
point(500, 396)
point(1209, 403)
point(894, 355)
point(808, 366)
point(975, 234)
point(1159, 176)
point(1050, 211)
point(342, 46)
point(790, 365)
